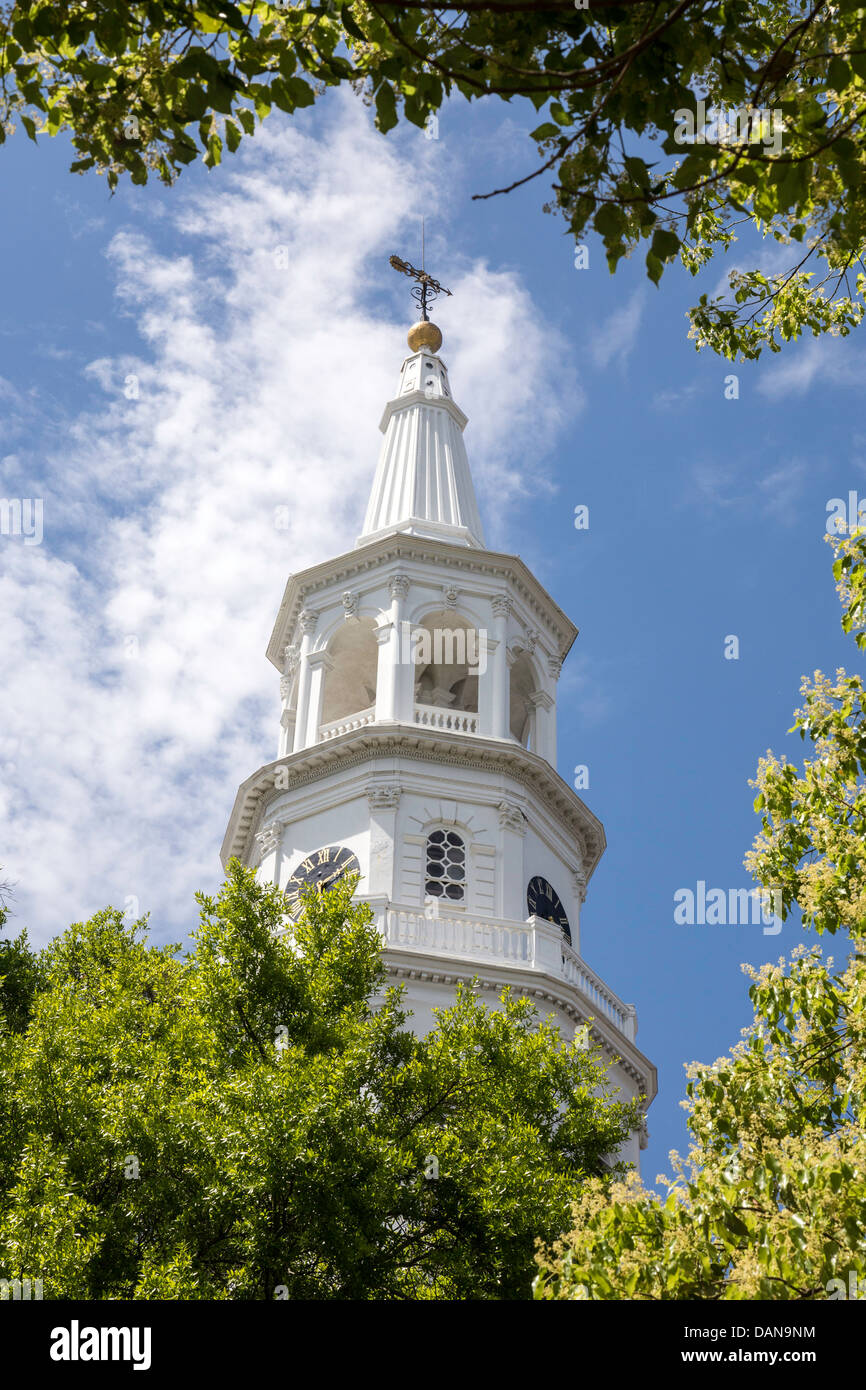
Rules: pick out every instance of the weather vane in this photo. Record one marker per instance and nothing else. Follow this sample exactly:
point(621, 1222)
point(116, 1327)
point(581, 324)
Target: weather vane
point(425, 291)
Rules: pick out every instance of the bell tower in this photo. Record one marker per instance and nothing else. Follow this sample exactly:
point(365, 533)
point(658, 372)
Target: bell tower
point(417, 741)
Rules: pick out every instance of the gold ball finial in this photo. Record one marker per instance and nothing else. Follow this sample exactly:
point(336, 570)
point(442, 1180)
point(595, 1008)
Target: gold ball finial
point(425, 335)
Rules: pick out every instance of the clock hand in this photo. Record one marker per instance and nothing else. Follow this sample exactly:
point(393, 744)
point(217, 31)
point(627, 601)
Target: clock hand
point(326, 882)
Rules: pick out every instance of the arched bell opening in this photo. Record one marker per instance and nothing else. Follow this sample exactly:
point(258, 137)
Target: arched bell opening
point(350, 682)
point(523, 684)
point(449, 655)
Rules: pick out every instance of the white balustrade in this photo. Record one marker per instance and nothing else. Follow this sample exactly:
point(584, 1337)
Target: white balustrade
point(359, 720)
point(410, 928)
point(454, 720)
point(460, 936)
point(578, 973)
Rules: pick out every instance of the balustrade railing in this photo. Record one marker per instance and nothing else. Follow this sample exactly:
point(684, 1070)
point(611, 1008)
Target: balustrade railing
point(459, 721)
point(577, 972)
point(411, 928)
point(460, 935)
point(358, 720)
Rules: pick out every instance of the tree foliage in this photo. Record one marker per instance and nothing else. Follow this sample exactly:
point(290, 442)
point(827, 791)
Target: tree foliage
point(771, 1203)
point(244, 1123)
point(146, 87)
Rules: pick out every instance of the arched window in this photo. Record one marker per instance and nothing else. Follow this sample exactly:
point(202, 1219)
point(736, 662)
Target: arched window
point(446, 866)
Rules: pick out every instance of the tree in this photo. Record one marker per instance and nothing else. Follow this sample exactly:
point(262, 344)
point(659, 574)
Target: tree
point(141, 87)
point(772, 1201)
point(19, 971)
point(253, 1120)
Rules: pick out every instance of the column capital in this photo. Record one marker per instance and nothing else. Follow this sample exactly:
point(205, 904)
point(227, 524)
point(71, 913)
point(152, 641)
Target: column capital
point(398, 585)
point(291, 655)
point(308, 620)
point(578, 879)
point(286, 683)
point(351, 598)
point(383, 795)
point(541, 700)
point(502, 605)
point(511, 817)
point(269, 837)
point(554, 666)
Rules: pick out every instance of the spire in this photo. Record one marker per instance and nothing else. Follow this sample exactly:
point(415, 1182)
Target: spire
point(423, 486)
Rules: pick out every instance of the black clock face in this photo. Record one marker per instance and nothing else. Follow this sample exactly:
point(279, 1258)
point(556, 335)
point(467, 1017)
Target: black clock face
point(321, 870)
point(543, 901)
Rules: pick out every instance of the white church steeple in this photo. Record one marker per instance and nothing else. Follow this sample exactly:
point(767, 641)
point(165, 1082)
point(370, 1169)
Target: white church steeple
point(423, 486)
point(417, 742)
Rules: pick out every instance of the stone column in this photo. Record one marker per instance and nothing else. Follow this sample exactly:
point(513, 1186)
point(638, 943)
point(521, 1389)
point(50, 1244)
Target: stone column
point(384, 799)
point(402, 669)
point(578, 880)
point(384, 688)
point(554, 667)
point(499, 666)
point(391, 677)
point(510, 886)
point(485, 690)
point(287, 713)
point(319, 663)
point(540, 740)
point(308, 622)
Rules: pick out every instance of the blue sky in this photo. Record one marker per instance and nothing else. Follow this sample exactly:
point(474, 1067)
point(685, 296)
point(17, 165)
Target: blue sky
point(166, 387)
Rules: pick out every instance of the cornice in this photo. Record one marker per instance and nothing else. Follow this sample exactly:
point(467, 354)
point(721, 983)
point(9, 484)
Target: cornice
point(301, 588)
point(420, 398)
point(358, 746)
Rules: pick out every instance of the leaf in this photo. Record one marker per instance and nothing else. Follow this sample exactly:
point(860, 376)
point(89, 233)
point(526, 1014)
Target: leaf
point(665, 244)
point(194, 102)
point(349, 23)
point(609, 221)
point(546, 131)
point(654, 267)
point(838, 73)
point(220, 95)
point(301, 92)
point(386, 108)
point(233, 136)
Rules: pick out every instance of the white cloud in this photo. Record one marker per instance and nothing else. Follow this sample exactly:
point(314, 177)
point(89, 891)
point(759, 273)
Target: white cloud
point(782, 488)
point(136, 692)
point(675, 397)
point(822, 361)
point(617, 336)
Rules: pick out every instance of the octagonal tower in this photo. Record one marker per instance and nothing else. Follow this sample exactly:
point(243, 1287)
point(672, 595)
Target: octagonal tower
point(417, 743)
